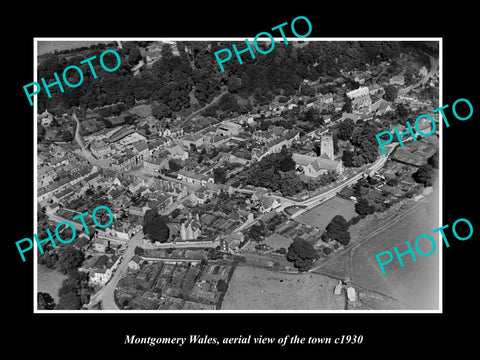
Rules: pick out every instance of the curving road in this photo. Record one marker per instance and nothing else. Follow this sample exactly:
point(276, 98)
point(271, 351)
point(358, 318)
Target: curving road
point(106, 294)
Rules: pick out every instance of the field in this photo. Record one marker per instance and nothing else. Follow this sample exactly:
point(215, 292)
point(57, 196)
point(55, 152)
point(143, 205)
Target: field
point(416, 283)
point(321, 215)
point(49, 280)
point(45, 47)
point(417, 152)
point(258, 289)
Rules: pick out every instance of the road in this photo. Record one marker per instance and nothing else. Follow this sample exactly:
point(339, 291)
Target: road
point(218, 97)
point(106, 294)
point(320, 198)
point(85, 152)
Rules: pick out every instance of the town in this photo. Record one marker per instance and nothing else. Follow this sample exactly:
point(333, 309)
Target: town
point(226, 195)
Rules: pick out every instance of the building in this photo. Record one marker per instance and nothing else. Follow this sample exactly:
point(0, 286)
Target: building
point(140, 149)
point(268, 204)
point(351, 294)
point(313, 166)
point(154, 166)
point(190, 229)
point(276, 145)
point(100, 149)
point(100, 245)
point(374, 88)
point(397, 80)
point(326, 147)
point(195, 139)
point(103, 269)
point(177, 152)
point(360, 97)
point(135, 263)
point(123, 162)
point(45, 176)
point(381, 107)
point(232, 241)
point(194, 178)
point(229, 128)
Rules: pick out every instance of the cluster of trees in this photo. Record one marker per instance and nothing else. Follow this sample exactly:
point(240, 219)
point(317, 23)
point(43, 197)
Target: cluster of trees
point(391, 92)
point(424, 175)
point(45, 301)
point(173, 78)
point(63, 259)
point(276, 172)
point(155, 226)
point(75, 291)
point(257, 231)
point(302, 254)
point(365, 144)
point(363, 208)
point(337, 229)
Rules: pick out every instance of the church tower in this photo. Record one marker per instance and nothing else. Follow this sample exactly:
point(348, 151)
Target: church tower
point(326, 147)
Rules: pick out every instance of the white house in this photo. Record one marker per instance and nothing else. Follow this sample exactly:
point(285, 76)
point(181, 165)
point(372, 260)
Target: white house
point(104, 269)
point(351, 294)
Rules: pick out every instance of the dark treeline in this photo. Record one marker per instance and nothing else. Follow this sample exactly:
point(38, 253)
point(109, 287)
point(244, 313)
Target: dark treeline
point(172, 79)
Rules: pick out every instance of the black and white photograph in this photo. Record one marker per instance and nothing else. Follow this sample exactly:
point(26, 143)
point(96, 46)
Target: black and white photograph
point(262, 187)
point(295, 181)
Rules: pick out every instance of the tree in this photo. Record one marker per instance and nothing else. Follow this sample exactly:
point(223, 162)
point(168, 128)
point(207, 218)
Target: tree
point(139, 251)
point(345, 129)
point(392, 182)
point(219, 175)
point(347, 106)
point(424, 175)
point(337, 230)
point(173, 165)
point(40, 133)
point(287, 164)
point(155, 226)
point(67, 136)
point(403, 110)
point(290, 183)
point(70, 301)
point(391, 92)
point(45, 301)
point(257, 231)
point(302, 254)
point(70, 258)
point(222, 285)
point(363, 208)
point(347, 158)
point(161, 111)
point(434, 160)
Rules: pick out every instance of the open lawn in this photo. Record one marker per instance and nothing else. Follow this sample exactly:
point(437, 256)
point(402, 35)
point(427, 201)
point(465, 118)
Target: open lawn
point(49, 281)
point(278, 241)
point(259, 289)
point(321, 215)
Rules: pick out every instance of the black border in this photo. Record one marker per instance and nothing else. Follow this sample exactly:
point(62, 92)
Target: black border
point(93, 334)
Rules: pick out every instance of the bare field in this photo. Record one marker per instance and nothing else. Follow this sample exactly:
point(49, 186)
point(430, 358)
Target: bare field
point(259, 289)
point(321, 215)
point(416, 283)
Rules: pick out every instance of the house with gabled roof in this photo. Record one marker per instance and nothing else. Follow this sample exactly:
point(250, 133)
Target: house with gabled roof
point(313, 166)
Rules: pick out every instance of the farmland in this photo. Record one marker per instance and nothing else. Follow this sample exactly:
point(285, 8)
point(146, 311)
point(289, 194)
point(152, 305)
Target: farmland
point(259, 289)
point(417, 282)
